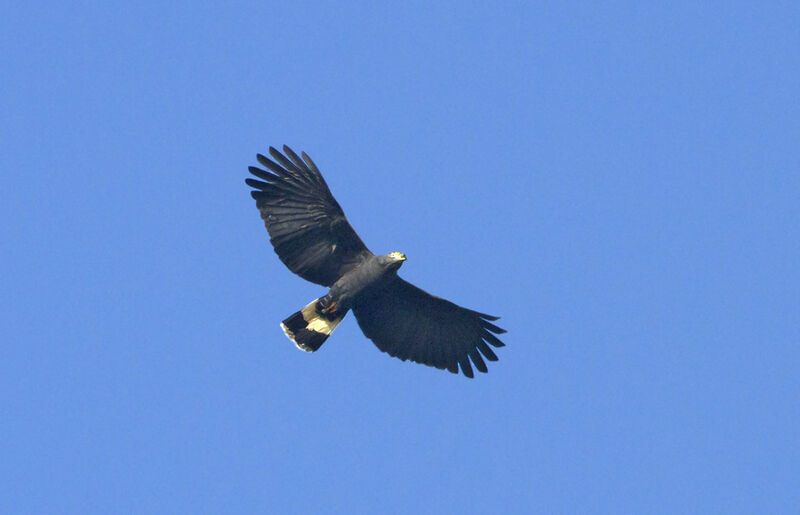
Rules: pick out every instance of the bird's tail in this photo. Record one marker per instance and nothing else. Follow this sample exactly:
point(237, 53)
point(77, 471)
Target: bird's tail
point(309, 327)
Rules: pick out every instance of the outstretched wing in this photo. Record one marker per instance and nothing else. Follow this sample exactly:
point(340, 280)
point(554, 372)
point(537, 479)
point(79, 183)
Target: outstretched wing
point(409, 323)
point(306, 225)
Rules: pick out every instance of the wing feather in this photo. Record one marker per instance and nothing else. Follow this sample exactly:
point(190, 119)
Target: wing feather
point(409, 323)
point(307, 227)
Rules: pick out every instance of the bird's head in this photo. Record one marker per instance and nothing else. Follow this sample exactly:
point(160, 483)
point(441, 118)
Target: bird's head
point(393, 260)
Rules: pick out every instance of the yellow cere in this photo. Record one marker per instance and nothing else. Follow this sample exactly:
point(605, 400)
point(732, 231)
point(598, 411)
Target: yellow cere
point(398, 255)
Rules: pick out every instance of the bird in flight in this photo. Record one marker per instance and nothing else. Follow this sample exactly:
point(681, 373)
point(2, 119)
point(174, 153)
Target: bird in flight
point(312, 237)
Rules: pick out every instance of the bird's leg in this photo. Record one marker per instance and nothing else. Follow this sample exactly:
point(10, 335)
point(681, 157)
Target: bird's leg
point(327, 307)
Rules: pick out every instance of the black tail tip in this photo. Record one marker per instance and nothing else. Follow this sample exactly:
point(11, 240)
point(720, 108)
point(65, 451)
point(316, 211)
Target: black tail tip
point(305, 339)
point(293, 324)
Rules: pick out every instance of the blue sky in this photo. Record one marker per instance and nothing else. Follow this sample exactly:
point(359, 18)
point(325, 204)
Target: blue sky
point(617, 180)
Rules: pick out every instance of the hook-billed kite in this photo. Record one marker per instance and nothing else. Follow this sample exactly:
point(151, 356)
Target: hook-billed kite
point(314, 240)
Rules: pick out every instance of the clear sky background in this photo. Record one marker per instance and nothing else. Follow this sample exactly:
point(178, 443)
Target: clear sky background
point(618, 180)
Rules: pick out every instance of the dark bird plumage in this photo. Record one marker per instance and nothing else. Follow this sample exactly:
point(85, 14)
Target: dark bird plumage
point(312, 237)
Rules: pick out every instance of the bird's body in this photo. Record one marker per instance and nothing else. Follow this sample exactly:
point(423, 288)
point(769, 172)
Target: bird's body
point(312, 237)
point(311, 326)
point(368, 274)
